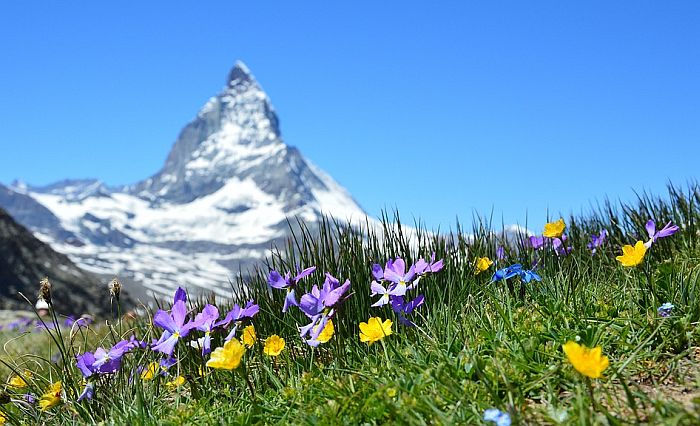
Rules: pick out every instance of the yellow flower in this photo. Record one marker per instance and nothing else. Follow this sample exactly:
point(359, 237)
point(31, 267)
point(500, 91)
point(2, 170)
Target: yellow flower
point(374, 330)
point(176, 383)
point(3, 418)
point(249, 336)
point(632, 256)
point(273, 345)
point(326, 333)
point(51, 398)
point(18, 382)
point(227, 357)
point(554, 229)
point(482, 264)
point(587, 361)
point(151, 371)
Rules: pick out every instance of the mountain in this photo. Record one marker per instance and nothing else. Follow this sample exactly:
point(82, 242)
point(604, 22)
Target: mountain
point(217, 205)
point(24, 261)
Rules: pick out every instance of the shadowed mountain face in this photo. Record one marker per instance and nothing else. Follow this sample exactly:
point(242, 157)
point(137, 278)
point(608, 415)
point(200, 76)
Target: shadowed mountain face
point(219, 202)
point(24, 261)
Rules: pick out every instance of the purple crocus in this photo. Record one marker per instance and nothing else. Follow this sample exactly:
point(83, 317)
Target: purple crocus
point(536, 242)
point(559, 245)
point(393, 290)
point(276, 280)
point(206, 320)
point(69, 321)
point(320, 306)
point(110, 361)
point(84, 362)
point(654, 235)
point(318, 300)
point(166, 363)
point(88, 392)
point(597, 241)
point(236, 315)
point(422, 267)
point(103, 361)
point(174, 326)
point(404, 309)
point(500, 253)
point(395, 272)
point(180, 294)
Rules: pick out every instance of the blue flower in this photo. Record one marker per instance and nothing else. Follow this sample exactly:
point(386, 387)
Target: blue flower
point(501, 418)
point(665, 309)
point(515, 270)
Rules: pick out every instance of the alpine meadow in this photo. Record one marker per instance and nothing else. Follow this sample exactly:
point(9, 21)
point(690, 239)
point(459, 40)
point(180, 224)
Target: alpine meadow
point(593, 321)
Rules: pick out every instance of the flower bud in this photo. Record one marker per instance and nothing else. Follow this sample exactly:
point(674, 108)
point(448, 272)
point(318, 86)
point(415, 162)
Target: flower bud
point(45, 290)
point(115, 288)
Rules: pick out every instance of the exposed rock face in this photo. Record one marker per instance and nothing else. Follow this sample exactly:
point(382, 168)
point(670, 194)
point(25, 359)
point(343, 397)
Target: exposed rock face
point(220, 201)
point(24, 261)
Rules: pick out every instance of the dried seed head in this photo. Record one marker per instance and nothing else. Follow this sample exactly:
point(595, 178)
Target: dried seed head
point(4, 397)
point(45, 290)
point(115, 288)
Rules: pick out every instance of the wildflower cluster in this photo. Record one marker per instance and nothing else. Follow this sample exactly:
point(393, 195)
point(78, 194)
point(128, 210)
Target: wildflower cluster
point(182, 334)
point(320, 304)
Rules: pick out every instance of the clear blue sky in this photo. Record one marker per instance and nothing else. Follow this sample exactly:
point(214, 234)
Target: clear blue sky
point(437, 109)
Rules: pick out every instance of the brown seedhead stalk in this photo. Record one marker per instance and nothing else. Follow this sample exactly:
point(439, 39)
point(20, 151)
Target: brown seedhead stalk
point(115, 288)
point(45, 290)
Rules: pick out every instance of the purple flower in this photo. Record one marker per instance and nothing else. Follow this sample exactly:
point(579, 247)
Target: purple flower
point(394, 290)
point(654, 235)
point(69, 321)
point(395, 272)
point(315, 327)
point(319, 305)
point(404, 309)
point(84, 321)
point(318, 300)
point(378, 272)
point(30, 398)
point(500, 253)
point(236, 315)
point(206, 319)
point(103, 361)
point(84, 362)
point(180, 294)
point(665, 309)
point(536, 242)
point(276, 280)
point(166, 363)
point(559, 245)
point(597, 241)
point(174, 326)
point(136, 343)
point(422, 267)
point(501, 418)
point(110, 361)
point(88, 393)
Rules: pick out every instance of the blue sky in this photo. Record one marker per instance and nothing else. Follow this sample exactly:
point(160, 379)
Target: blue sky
point(440, 110)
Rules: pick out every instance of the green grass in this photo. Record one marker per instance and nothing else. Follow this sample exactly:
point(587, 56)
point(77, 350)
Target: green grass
point(477, 345)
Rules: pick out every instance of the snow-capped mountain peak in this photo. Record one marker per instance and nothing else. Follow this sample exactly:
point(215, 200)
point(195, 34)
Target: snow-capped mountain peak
point(218, 203)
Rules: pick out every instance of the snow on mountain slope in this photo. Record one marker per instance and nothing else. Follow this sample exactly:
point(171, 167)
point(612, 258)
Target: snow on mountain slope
point(216, 207)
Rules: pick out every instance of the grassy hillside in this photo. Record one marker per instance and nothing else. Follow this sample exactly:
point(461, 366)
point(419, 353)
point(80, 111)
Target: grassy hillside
point(478, 343)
